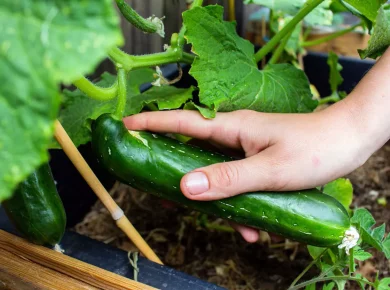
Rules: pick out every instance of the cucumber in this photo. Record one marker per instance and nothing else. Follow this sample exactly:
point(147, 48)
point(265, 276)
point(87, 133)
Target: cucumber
point(155, 164)
point(36, 209)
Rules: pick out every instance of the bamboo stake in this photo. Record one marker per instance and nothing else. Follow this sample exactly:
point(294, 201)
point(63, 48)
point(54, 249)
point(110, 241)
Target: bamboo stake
point(117, 214)
point(232, 15)
point(69, 266)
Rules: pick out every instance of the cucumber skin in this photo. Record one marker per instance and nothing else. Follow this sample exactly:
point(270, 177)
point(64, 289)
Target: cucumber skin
point(36, 209)
point(155, 164)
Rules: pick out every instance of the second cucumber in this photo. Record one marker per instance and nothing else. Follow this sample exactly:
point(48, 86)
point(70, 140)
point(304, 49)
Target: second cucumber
point(36, 209)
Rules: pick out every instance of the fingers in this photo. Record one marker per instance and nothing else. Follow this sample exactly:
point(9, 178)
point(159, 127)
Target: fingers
point(250, 235)
point(264, 171)
point(223, 129)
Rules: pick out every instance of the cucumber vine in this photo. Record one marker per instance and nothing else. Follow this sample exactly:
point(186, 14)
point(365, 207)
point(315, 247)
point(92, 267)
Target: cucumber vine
point(224, 65)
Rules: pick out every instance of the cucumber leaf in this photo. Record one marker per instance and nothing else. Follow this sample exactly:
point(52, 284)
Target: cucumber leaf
point(206, 112)
point(380, 38)
point(43, 43)
point(78, 109)
point(165, 97)
point(227, 73)
point(342, 190)
point(367, 8)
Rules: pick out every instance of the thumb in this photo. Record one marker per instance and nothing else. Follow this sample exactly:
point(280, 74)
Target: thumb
point(223, 180)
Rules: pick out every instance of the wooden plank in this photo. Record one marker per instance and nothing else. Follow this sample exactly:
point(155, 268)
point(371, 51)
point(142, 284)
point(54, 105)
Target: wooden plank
point(20, 274)
point(64, 264)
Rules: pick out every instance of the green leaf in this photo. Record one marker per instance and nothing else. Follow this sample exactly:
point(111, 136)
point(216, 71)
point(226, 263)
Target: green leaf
point(311, 287)
point(361, 284)
point(341, 189)
point(165, 97)
point(78, 109)
point(227, 72)
point(384, 284)
point(43, 43)
point(379, 232)
point(328, 286)
point(380, 39)
point(364, 221)
point(335, 78)
point(206, 112)
point(315, 251)
point(386, 246)
point(321, 15)
point(368, 8)
point(360, 254)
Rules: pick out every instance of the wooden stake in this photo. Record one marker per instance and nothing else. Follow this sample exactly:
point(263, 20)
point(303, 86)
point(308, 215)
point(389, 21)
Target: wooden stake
point(29, 255)
point(116, 212)
point(232, 10)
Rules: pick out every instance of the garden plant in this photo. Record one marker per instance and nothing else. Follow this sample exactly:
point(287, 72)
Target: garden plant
point(48, 45)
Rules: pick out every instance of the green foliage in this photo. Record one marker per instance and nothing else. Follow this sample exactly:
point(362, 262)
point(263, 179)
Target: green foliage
point(227, 73)
point(43, 43)
point(328, 286)
point(374, 237)
point(78, 109)
point(383, 284)
point(47, 43)
point(380, 39)
point(335, 78)
point(321, 15)
point(341, 189)
point(164, 97)
point(367, 8)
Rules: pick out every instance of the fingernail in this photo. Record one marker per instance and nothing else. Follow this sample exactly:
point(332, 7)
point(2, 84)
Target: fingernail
point(196, 183)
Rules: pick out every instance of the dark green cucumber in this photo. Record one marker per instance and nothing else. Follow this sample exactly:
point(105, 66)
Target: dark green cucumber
point(36, 209)
point(156, 164)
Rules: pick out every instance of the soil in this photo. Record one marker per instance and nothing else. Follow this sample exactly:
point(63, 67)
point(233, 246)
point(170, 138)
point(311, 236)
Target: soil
point(216, 254)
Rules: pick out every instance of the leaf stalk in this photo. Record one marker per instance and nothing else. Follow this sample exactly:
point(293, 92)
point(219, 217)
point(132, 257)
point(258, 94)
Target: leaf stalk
point(306, 9)
point(95, 92)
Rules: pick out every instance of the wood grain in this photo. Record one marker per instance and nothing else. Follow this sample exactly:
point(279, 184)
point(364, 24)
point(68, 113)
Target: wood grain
point(88, 274)
point(20, 274)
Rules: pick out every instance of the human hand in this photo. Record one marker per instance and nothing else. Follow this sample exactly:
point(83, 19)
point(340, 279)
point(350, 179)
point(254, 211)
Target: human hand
point(283, 151)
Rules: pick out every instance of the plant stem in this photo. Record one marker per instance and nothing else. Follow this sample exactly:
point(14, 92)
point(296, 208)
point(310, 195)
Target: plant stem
point(181, 40)
point(134, 18)
point(96, 92)
point(334, 98)
point(279, 50)
point(351, 262)
point(122, 93)
point(306, 9)
point(308, 268)
point(130, 62)
point(219, 228)
point(316, 280)
point(329, 37)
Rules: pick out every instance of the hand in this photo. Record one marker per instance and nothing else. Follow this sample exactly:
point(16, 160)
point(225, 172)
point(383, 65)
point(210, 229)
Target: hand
point(283, 151)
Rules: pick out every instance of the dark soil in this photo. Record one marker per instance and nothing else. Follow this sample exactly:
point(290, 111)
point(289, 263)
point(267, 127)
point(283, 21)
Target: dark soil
point(221, 256)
